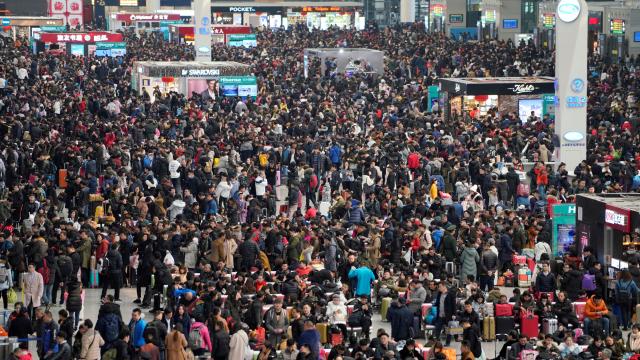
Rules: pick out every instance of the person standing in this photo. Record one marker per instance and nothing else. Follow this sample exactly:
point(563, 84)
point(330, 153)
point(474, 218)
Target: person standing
point(74, 300)
point(364, 277)
point(6, 282)
point(33, 286)
point(446, 306)
point(238, 343)
point(85, 252)
point(136, 328)
point(175, 344)
point(111, 272)
point(91, 341)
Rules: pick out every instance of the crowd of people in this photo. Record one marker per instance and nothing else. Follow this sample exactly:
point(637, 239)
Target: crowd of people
point(281, 224)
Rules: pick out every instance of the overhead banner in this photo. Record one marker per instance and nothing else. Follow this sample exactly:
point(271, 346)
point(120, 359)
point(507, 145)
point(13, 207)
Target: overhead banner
point(572, 29)
point(84, 37)
point(202, 29)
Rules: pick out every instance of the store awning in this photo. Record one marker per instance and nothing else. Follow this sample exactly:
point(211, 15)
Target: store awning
point(498, 86)
point(191, 69)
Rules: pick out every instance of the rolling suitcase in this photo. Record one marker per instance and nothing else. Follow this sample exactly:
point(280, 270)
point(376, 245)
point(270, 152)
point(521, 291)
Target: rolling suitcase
point(637, 314)
point(489, 328)
point(529, 325)
point(94, 279)
point(157, 299)
point(524, 277)
point(504, 324)
point(384, 307)
point(416, 328)
point(322, 329)
point(549, 326)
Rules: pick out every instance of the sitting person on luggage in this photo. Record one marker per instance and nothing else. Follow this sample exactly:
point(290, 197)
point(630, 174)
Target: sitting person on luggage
point(633, 339)
point(517, 347)
point(596, 311)
point(596, 347)
point(569, 347)
point(563, 309)
point(468, 314)
point(526, 303)
point(544, 309)
point(337, 314)
point(616, 347)
point(548, 346)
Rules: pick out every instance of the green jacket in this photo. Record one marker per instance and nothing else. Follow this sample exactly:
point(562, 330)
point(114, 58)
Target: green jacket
point(449, 246)
point(85, 251)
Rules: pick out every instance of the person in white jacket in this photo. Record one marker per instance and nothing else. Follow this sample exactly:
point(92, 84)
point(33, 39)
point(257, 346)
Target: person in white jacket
point(239, 344)
point(337, 314)
point(176, 208)
point(223, 190)
point(190, 253)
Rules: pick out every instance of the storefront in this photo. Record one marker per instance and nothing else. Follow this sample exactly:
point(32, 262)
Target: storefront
point(285, 14)
point(345, 61)
point(611, 224)
point(477, 96)
point(144, 22)
point(24, 26)
point(183, 33)
point(80, 43)
point(194, 78)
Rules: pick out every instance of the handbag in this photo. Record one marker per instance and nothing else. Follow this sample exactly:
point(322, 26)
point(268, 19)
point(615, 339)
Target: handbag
point(454, 328)
point(355, 319)
point(12, 297)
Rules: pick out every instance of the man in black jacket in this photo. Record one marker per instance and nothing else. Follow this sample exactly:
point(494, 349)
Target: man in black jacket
point(111, 273)
point(446, 305)
point(545, 281)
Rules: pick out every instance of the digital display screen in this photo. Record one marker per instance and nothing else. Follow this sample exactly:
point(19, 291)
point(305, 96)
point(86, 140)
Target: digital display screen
point(566, 234)
point(510, 24)
point(636, 36)
point(618, 26)
point(526, 106)
point(77, 49)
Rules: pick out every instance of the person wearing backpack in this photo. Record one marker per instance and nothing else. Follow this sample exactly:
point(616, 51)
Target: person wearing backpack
point(65, 269)
point(111, 272)
point(109, 325)
point(6, 282)
point(626, 295)
point(199, 340)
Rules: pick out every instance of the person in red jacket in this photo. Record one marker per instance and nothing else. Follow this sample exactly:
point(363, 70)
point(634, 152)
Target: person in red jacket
point(413, 161)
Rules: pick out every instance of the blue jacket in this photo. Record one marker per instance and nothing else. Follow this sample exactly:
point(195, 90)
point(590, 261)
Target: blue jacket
point(137, 332)
point(335, 154)
point(312, 338)
point(364, 276)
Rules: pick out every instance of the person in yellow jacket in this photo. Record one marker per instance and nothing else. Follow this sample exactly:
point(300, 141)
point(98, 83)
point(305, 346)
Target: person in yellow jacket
point(264, 259)
point(433, 190)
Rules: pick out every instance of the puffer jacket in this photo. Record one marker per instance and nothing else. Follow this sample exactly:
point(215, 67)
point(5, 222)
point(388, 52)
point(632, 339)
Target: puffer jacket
point(356, 216)
point(74, 298)
point(545, 283)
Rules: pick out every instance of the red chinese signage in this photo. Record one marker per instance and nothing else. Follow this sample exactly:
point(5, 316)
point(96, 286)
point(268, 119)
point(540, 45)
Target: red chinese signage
point(617, 218)
point(84, 37)
point(147, 17)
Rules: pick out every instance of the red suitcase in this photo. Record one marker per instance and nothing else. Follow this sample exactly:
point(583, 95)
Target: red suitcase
point(529, 325)
point(504, 310)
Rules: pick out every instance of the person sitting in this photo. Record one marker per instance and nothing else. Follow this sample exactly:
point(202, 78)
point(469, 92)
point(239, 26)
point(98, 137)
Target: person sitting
point(465, 349)
point(517, 347)
point(596, 347)
point(544, 309)
point(512, 338)
point(468, 314)
point(616, 347)
point(568, 347)
point(596, 311)
point(409, 351)
point(548, 346)
point(563, 309)
point(633, 339)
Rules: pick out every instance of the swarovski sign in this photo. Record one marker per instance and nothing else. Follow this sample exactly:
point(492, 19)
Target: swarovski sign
point(200, 72)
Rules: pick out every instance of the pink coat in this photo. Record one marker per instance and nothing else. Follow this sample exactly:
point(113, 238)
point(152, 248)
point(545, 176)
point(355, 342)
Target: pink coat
point(204, 332)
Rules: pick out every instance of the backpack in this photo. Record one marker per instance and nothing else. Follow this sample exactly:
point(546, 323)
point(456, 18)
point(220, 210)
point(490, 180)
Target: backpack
point(103, 264)
point(195, 339)
point(623, 295)
point(589, 282)
point(110, 328)
point(45, 272)
point(65, 265)
point(111, 354)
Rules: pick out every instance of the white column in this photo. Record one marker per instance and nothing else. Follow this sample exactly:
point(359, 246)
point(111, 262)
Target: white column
point(153, 6)
point(202, 29)
point(407, 11)
point(571, 81)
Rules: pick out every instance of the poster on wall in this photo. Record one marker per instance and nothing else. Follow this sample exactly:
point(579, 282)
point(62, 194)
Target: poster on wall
point(526, 106)
point(564, 228)
point(70, 11)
